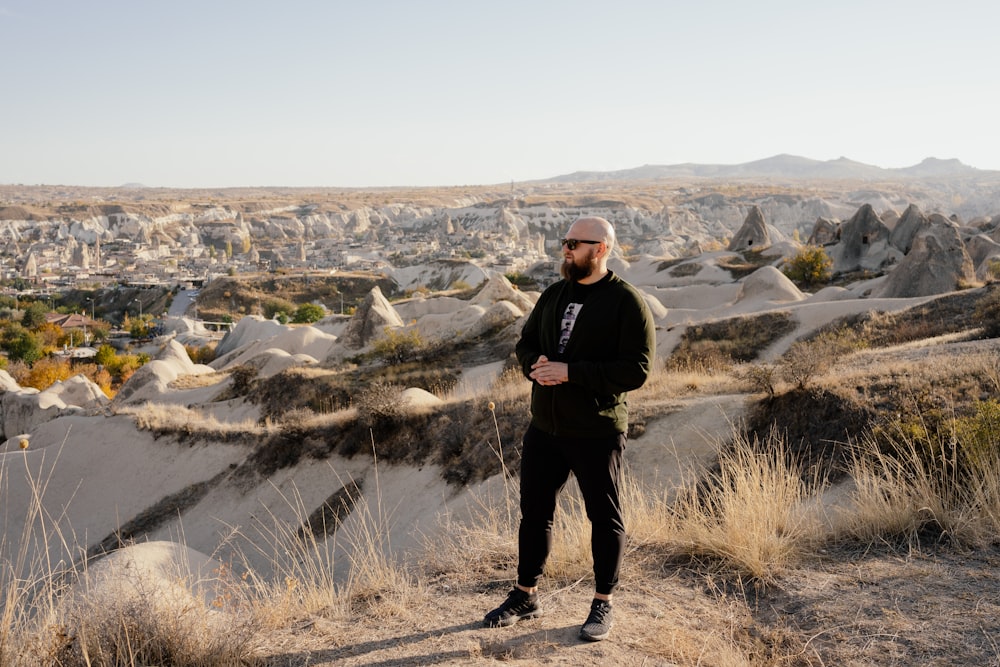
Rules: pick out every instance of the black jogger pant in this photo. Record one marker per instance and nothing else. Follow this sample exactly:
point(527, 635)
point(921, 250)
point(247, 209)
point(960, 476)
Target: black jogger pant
point(546, 462)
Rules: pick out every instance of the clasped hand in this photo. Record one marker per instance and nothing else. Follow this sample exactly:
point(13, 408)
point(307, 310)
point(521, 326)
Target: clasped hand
point(547, 373)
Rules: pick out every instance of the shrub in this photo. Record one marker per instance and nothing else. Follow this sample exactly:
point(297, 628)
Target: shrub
point(760, 377)
point(803, 362)
point(396, 346)
point(274, 306)
point(308, 313)
point(106, 356)
point(21, 344)
point(45, 372)
point(70, 338)
point(52, 335)
point(203, 354)
point(139, 327)
point(379, 405)
point(993, 269)
point(120, 366)
point(810, 267)
point(520, 280)
point(34, 315)
point(244, 379)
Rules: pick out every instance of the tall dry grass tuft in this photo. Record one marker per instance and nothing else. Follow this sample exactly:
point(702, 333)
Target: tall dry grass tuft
point(301, 577)
point(485, 541)
point(304, 577)
point(914, 485)
point(377, 579)
point(750, 515)
point(33, 568)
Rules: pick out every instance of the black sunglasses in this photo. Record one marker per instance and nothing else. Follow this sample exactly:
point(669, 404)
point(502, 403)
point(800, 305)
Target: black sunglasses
point(573, 243)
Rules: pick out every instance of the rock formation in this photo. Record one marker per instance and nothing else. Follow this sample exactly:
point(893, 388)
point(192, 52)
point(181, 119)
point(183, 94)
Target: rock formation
point(370, 319)
point(770, 284)
point(824, 232)
point(937, 263)
point(864, 243)
point(909, 224)
point(753, 235)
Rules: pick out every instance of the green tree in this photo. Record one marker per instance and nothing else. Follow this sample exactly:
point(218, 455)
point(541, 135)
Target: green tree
point(22, 344)
point(810, 267)
point(106, 356)
point(139, 327)
point(34, 315)
point(307, 313)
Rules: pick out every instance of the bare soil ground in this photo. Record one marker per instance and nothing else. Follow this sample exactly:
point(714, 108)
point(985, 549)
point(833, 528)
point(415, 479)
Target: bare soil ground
point(890, 607)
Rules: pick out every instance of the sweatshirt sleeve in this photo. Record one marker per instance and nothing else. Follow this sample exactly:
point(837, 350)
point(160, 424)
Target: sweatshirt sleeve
point(630, 366)
point(529, 345)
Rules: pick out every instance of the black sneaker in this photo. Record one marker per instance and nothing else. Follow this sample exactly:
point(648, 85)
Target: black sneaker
point(518, 605)
point(598, 625)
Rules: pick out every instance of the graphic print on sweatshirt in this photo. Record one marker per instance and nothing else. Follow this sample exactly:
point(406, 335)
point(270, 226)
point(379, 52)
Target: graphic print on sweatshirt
point(568, 322)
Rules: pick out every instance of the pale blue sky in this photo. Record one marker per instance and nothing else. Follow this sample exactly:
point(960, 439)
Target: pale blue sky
point(196, 93)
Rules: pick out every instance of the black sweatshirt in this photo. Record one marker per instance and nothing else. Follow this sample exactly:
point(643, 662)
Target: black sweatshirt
point(610, 351)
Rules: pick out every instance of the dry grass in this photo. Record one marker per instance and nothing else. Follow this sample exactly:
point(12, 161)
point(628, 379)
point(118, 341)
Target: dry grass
point(744, 566)
point(748, 515)
point(198, 381)
point(162, 417)
point(736, 534)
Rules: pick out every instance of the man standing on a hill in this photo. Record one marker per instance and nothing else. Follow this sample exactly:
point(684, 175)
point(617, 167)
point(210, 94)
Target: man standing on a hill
point(588, 341)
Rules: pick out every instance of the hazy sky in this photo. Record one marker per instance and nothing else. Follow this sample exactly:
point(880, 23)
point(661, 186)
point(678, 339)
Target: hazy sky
point(203, 93)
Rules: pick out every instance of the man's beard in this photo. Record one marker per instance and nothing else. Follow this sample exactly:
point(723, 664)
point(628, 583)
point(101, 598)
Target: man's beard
point(570, 270)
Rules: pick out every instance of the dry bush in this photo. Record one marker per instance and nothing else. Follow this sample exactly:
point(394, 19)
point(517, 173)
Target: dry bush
point(380, 405)
point(965, 312)
point(923, 480)
point(748, 515)
point(396, 347)
point(133, 624)
point(686, 270)
point(988, 312)
point(803, 362)
point(761, 378)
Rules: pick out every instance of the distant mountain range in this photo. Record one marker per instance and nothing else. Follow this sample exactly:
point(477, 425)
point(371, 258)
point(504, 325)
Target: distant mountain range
point(783, 167)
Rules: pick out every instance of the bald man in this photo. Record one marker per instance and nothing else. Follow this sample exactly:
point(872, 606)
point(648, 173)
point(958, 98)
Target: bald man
point(588, 341)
